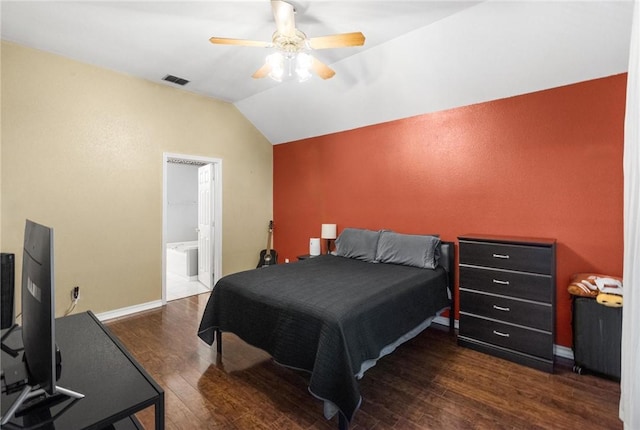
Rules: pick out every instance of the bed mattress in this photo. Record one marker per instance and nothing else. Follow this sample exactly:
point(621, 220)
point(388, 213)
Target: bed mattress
point(326, 315)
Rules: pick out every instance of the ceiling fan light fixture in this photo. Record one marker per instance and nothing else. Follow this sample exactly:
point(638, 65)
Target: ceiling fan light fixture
point(276, 62)
point(303, 66)
point(291, 61)
point(287, 66)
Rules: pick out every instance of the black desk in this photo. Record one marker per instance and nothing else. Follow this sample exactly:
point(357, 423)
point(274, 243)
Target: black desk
point(96, 364)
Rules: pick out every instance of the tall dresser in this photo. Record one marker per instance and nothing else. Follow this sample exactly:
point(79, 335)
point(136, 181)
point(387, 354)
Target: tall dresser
point(507, 298)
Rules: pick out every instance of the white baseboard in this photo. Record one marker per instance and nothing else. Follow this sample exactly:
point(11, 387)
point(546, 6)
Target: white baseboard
point(563, 351)
point(558, 350)
point(445, 321)
point(122, 312)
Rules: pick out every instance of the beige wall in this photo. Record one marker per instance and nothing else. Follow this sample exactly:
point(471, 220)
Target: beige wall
point(82, 152)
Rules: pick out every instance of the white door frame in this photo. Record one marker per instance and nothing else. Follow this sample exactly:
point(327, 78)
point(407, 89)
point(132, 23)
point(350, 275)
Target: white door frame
point(217, 214)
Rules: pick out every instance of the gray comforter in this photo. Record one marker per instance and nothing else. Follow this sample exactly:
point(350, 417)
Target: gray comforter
point(326, 315)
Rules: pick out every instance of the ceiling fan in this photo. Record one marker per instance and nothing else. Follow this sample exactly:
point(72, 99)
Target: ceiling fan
point(292, 59)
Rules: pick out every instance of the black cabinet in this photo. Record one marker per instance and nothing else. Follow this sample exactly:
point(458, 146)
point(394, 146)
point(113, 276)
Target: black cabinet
point(507, 298)
point(597, 337)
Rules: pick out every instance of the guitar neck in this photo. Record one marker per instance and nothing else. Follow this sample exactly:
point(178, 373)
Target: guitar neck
point(269, 241)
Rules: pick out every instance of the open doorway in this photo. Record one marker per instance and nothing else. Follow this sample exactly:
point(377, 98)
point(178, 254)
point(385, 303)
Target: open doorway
point(192, 212)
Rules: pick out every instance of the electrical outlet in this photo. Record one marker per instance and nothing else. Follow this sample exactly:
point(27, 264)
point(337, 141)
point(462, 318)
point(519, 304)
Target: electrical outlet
point(75, 293)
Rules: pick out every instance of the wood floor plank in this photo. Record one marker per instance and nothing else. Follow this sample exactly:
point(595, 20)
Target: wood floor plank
point(427, 383)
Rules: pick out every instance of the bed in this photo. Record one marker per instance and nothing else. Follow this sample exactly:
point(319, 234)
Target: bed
point(336, 315)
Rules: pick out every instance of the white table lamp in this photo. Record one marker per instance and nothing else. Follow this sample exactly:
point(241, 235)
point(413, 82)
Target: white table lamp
point(329, 233)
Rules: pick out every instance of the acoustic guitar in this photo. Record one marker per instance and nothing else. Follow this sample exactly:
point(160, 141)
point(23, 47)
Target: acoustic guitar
point(268, 256)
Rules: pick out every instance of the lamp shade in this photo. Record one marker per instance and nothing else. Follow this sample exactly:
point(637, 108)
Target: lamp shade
point(328, 231)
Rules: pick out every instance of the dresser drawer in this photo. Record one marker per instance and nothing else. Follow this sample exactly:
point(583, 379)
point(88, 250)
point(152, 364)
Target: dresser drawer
point(507, 336)
point(508, 310)
point(520, 285)
point(534, 259)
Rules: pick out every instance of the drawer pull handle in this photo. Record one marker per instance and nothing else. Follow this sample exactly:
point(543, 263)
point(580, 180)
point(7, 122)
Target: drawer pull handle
point(503, 256)
point(498, 281)
point(499, 333)
point(500, 308)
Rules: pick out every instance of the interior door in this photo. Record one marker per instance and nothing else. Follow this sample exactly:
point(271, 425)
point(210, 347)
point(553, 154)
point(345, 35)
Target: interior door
point(205, 225)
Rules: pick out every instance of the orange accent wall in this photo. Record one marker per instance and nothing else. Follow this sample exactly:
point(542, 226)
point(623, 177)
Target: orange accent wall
point(545, 164)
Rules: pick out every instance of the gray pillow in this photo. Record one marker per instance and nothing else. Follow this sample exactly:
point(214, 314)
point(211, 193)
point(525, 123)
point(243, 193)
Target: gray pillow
point(408, 249)
point(357, 243)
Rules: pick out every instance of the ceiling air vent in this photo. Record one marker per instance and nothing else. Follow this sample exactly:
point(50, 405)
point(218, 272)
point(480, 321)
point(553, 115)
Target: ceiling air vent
point(175, 80)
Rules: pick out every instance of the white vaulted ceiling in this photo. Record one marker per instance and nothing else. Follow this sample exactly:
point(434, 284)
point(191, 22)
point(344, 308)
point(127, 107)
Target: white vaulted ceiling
point(419, 56)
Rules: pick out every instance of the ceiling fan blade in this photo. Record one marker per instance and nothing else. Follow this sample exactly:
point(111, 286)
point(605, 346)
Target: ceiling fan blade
point(241, 42)
point(321, 69)
point(262, 71)
point(283, 15)
point(337, 40)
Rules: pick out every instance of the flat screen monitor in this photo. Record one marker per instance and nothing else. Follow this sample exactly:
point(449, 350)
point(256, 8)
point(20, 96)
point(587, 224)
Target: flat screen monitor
point(38, 306)
point(38, 322)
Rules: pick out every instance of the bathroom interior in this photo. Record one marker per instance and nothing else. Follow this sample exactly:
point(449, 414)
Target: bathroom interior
point(182, 230)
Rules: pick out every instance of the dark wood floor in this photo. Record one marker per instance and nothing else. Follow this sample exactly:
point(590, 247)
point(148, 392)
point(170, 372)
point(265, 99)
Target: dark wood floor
point(428, 383)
